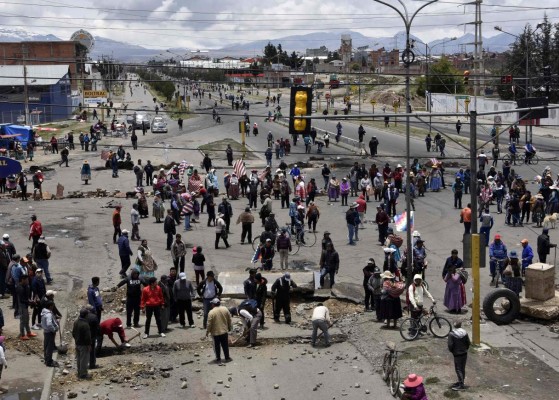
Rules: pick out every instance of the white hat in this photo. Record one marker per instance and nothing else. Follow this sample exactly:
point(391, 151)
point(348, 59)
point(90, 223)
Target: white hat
point(389, 250)
point(182, 276)
point(215, 301)
point(387, 274)
point(50, 293)
point(6, 236)
point(416, 234)
point(417, 276)
point(125, 232)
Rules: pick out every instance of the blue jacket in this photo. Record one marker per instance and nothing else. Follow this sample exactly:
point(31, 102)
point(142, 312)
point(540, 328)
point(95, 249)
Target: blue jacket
point(38, 287)
point(94, 297)
point(527, 256)
point(292, 209)
point(498, 250)
point(124, 246)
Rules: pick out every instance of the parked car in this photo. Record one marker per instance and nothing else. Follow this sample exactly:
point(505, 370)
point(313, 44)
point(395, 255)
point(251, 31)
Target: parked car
point(158, 125)
point(141, 118)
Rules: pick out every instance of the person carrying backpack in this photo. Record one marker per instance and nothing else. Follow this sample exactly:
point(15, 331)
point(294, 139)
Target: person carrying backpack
point(415, 295)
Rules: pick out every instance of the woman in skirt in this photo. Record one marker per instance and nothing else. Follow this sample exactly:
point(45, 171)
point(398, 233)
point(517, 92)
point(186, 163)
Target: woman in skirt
point(390, 305)
point(333, 189)
point(435, 179)
point(86, 172)
point(455, 293)
point(143, 205)
point(234, 187)
point(158, 208)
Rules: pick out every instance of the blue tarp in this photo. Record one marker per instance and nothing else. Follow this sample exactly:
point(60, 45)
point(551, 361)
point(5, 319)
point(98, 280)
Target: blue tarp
point(9, 167)
point(25, 134)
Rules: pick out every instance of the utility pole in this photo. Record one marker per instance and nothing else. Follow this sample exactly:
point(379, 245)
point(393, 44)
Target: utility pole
point(25, 91)
point(478, 52)
point(476, 240)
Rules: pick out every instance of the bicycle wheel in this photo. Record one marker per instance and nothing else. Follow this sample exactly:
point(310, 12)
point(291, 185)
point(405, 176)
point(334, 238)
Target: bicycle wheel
point(295, 246)
point(535, 160)
point(386, 366)
point(506, 157)
point(310, 238)
point(394, 380)
point(256, 242)
point(440, 327)
point(409, 329)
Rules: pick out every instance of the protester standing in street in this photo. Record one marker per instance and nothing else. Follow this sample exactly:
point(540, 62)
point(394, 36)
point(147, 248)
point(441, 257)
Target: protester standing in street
point(178, 253)
point(246, 219)
point(544, 245)
point(152, 302)
point(94, 296)
point(458, 345)
point(208, 290)
point(133, 297)
point(50, 327)
point(117, 221)
point(280, 294)
point(183, 293)
point(219, 324)
point(466, 218)
point(368, 271)
point(82, 338)
point(329, 264)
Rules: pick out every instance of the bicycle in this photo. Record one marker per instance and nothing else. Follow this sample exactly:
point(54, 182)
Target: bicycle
point(411, 328)
point(509, 157)
point(295, 244)
point(499, 269)
point(390, 370)
point(532, 160)
point(309, 237)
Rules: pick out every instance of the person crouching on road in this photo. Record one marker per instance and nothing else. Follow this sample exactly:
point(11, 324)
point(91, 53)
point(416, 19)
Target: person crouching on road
point(109, 327)
point(250, 315)
point(320, 319)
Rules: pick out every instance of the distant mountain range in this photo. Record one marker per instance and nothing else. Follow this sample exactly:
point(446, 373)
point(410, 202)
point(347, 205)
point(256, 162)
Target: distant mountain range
point(133, 53)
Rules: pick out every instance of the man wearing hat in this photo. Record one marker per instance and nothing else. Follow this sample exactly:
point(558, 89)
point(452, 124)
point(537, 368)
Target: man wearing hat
point(124, 252)
point(266, 254)
point(329, 264)
point(227, 211)
point(246, 219)
point(221, 231)
point(183, 293)
point(41, 255)
point(280, 294)
point(486, 220)
point(352, 217)
point(497, 252)
point(544, 245)
point(219, 325)
point(326, 239)
point(8, 245)
point(527, 255)
point(117, 221)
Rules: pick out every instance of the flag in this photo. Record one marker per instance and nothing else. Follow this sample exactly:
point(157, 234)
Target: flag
point(400, 221)
point(239, 168)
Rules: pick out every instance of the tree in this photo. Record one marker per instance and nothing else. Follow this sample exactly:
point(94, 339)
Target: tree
point(295, 61)
point(443, 78)
point(270, 53)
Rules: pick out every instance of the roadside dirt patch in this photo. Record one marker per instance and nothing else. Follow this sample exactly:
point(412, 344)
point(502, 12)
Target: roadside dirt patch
point(216, 150)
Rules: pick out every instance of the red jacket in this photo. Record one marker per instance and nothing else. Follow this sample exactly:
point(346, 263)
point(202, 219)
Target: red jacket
point(35, 229)
point(361, 204)
point(113, 325)
point(116, 218)
point(152, 297)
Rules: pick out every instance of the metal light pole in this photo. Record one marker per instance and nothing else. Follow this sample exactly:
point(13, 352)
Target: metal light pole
point(527, 79)
point(407, 58)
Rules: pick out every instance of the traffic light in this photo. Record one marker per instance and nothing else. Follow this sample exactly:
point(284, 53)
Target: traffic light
point(466, 77)
point(300, 104)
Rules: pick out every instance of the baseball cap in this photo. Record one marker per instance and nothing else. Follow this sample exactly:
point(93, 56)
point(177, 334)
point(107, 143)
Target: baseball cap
point(497, 236)
point(215, 301)
point(182, 276)
point(6, 236)
point(50, 293)
point(287, 276)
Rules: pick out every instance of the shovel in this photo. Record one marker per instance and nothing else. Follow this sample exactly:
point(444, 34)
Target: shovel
point(62, 347)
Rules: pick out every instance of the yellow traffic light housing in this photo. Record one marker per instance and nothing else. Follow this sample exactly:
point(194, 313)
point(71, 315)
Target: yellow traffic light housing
point(300, 105)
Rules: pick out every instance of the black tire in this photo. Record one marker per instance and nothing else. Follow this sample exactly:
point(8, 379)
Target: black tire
point(409, 329)
point(386, 366)
point(510, 309)
point(394, 381)
point(440, 327)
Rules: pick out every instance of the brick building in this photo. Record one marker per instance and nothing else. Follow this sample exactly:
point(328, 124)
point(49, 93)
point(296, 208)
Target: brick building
point(384, 60)
point(46, 53)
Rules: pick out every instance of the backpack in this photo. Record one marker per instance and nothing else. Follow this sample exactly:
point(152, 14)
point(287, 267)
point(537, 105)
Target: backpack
point(463, 275)
point(250, 305)
point(396, 240)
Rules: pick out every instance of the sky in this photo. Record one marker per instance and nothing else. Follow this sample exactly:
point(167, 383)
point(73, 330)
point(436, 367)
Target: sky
point(211, 24)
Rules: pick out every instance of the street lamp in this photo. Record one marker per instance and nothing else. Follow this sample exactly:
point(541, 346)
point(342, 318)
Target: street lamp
point(407, 57)
point(527, 80)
